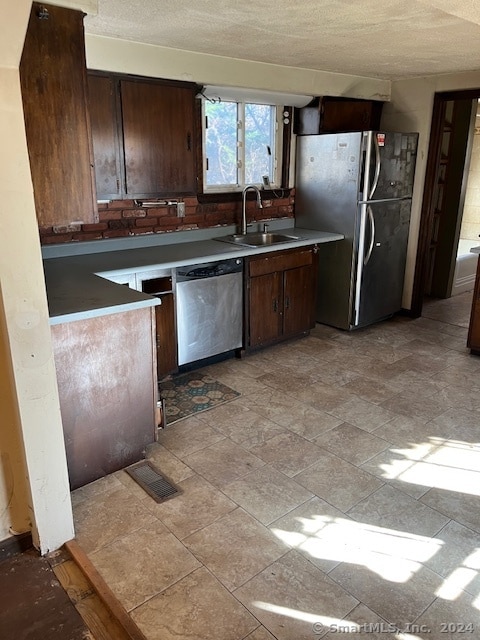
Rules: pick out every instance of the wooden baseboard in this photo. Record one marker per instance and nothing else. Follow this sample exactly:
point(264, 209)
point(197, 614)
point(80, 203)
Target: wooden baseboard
point(126, 629)
point(14, 545)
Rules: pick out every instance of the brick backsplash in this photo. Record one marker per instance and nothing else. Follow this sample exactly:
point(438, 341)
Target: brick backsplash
point(120, 218)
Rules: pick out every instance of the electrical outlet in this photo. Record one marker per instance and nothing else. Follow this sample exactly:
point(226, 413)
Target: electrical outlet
point(180, 209)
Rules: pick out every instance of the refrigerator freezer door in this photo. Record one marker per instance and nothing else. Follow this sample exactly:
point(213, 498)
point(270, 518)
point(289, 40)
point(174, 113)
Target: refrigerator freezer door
point(382, 276)
point(392, 163)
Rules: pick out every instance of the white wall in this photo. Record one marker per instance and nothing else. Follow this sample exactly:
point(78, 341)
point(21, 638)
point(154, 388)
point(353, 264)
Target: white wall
point(410, 109)
point(122, 56)
point(34, 489)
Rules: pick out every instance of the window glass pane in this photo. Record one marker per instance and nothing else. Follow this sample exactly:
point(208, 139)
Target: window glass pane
point(221, 143)
point(259, 143)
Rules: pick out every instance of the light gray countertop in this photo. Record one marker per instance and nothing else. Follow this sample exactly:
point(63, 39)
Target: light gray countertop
point(75, 292)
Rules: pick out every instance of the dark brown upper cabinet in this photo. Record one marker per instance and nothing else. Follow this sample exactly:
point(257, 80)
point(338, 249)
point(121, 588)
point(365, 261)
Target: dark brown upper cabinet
point(143, 136)
point(54, 94)
point(337, 115)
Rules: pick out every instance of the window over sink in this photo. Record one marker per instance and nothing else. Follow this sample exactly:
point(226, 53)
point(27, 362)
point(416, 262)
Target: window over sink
point(242, 144)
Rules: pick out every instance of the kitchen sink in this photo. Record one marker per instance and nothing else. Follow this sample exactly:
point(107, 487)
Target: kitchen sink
point(257, 239)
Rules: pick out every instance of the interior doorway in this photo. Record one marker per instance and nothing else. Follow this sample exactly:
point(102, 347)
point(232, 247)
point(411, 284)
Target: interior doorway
point(451, 141)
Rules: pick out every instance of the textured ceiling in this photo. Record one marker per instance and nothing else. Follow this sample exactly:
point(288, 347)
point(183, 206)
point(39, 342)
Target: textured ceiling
point(377, 38)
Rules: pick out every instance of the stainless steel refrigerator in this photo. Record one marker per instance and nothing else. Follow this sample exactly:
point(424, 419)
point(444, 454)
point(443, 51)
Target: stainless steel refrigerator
point(360, 185)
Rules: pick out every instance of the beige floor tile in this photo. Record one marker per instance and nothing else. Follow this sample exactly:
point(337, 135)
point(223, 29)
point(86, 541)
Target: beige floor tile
point(337, 481)
point(371, 390)
point(223, 462)
point(168, 464)
point(267, 494)
point(187, 436)
point(333, 372)
point(312, 530)
point(452, 619)
point(286, 379)
point(288, 452)
point(199, 504)
point(361, 624)
point(245, 385)
point(417, 383)
point(392, 509)
point(458, 377)
point(242, 425)
point(413, 405)
point(235, 548)
point(197, 607)
point(291, 595)
point(94, 489)
point(409, 432)
point(462, 507)
point(260, 634)
point(394, 466)
point(363, 414)
point(351, 443)
point(399, 599)
point(143, 563)
point(108, 516)
point(325, 397)
point(458, 559)
point(460, 397)
point(461, 424)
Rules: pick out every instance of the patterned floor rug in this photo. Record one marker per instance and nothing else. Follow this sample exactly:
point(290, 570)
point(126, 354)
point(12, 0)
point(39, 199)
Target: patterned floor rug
point(191, 393)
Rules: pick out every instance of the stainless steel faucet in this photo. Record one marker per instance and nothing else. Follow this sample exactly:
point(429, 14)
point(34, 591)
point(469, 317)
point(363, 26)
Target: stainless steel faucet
point(244, 206)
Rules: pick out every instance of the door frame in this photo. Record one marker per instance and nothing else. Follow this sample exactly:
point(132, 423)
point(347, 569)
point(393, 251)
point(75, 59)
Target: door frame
point(426, 216)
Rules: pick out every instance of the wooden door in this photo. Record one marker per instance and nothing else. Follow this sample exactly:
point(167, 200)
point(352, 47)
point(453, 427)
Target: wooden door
point(265, 304)
point(158, 130)
point(298, 299)
point(453, 160)
point(54, 93)
point(106, 135)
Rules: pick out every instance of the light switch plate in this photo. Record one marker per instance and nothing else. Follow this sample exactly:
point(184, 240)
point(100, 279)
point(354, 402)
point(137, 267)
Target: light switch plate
point(180, 209)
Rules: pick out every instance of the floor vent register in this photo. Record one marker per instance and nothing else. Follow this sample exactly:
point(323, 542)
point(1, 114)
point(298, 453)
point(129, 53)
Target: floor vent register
point(151, 481)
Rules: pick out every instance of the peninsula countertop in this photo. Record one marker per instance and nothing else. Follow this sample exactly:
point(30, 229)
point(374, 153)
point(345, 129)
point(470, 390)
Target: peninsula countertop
point(76, 289)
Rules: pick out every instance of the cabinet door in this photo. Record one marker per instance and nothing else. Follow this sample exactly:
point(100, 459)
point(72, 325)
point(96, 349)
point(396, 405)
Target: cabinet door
point(298, 300)
point(265, 301)
point(166, 336)
point(53, 81)
point(158, 131)
point(102, 100)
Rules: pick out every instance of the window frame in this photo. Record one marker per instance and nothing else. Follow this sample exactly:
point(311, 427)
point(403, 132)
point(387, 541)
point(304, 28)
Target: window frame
point(278, 154)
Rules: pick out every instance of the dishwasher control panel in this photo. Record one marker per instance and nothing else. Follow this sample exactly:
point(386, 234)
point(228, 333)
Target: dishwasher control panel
point(209, 269)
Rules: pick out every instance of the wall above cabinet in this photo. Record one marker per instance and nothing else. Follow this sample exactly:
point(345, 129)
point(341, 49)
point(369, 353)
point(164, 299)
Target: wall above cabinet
point(143, 136)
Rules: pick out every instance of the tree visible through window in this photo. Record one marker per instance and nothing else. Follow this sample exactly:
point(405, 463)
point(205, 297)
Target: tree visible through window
point(239, 143)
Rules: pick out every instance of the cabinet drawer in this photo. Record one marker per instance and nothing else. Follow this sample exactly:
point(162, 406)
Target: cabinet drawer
point(279, 262)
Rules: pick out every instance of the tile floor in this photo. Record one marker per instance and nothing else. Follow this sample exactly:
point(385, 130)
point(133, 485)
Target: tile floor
point(338, 496)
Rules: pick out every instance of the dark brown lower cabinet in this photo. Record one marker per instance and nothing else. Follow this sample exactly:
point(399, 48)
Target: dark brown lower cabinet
point(107, 383)
point(473, 341)
point(280, 295)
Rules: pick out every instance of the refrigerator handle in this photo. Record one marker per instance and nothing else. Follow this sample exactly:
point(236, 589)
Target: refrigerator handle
point(359, 264)
point(377, 168)
point(372, 235)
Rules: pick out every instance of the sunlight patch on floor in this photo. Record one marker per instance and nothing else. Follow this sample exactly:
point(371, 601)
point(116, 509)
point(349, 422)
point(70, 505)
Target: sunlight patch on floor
point(394, 555)
point(452, 465)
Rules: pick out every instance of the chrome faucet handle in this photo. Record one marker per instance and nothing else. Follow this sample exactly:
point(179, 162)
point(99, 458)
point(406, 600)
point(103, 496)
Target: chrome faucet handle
point(265, 227)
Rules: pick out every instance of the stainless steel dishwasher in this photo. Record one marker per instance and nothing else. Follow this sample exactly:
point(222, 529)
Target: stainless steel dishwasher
point(209, 305)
